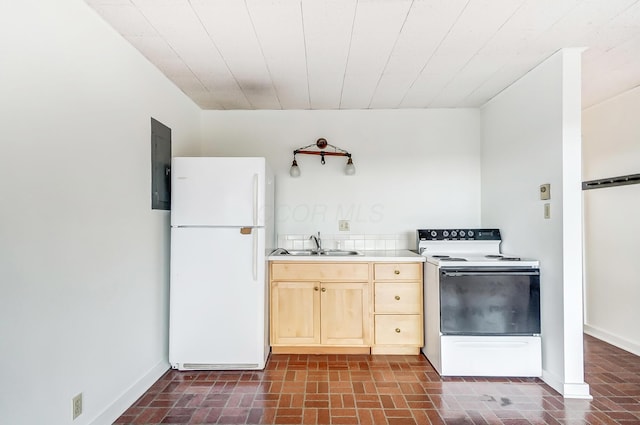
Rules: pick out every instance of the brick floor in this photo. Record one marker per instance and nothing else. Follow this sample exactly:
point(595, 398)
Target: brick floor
point(387, 390)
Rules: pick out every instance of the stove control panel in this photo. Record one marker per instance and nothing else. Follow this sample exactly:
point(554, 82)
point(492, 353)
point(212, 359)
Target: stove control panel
point(458, 234)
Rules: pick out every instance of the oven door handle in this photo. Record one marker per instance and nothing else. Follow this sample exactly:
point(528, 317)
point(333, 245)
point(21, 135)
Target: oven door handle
point(492, 272)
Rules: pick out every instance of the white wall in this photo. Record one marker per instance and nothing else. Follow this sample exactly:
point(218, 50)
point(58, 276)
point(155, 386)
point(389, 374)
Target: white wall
point(531, 136)
point(611, 148)
point(83, 258)
point(415, 168)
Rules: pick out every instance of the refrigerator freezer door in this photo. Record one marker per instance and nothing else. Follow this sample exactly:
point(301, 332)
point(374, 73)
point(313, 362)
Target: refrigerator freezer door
point(217, 299)
point(215, 191)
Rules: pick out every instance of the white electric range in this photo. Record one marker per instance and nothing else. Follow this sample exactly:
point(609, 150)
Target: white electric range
point(482, 307)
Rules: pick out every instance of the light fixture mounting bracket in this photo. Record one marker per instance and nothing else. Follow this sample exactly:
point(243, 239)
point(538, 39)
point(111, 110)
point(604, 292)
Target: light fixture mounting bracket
point(321, 144)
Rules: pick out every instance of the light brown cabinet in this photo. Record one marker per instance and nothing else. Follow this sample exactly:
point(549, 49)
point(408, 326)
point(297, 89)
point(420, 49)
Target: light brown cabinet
point(320, 307)
point(398, 308)
point(325, 307)
point(295, 313)
point(344, 313)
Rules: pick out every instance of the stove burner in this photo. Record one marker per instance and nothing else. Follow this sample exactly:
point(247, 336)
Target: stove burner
point(441, 256)
point(502, 257)
point(455, 259)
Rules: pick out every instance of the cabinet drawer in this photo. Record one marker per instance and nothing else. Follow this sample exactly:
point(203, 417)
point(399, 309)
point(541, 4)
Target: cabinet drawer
point(320, 271)
point(398, 297)
point(395, 329)
point(398, 271)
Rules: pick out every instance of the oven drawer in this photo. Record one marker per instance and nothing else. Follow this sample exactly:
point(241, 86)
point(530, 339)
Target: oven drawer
point(491, 356)
point(398, 271)
point(396, 329)
point(396, 297)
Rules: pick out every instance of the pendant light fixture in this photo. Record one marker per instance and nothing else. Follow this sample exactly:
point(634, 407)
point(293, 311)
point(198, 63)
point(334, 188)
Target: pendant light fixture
point(295, 170)
point(321, 144)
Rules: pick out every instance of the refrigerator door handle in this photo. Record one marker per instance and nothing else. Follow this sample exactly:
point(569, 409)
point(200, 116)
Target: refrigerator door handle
point(255, 199)
point(255, 255)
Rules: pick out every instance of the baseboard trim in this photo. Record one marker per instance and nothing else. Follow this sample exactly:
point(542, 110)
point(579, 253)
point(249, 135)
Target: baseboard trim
point(552, 380)
point(579, 391)
point(613, 339)
point(575, 391)
point(130, 395)
point(318, 349)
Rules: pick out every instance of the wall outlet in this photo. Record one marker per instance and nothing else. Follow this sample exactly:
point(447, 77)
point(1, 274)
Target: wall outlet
point(77, 405)
point(343, 225)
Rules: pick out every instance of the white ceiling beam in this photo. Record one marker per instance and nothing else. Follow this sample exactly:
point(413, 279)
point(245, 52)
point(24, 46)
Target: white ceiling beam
point(376, 24)
point(184, 32)
point(426, 26)
point(278, 25)
point(229, 27)
point(468, 36)
point(327, 31)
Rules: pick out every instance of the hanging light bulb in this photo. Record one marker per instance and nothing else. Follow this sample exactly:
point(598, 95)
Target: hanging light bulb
point(350, 169)
point(294, 171)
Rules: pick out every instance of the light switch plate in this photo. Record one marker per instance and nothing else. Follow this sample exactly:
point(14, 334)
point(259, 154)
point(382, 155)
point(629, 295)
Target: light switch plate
point(343, 225)
point(547, 211)
point(545, 191)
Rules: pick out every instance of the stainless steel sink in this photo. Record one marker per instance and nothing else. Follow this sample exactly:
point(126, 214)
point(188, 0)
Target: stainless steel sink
point(339, 253)
point(298, 252)
point(308, 252)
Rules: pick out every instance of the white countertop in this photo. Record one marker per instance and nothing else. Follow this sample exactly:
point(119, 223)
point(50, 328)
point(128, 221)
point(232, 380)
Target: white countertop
point(399, 256)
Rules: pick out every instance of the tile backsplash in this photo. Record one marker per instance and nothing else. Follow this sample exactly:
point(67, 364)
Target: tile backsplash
point(363, 242)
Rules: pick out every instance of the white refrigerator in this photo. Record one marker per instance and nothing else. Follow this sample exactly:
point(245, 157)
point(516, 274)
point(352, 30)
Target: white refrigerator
point(221, 232)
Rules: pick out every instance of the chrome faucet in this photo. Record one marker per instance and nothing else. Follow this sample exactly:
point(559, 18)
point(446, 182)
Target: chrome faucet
point(318, 242)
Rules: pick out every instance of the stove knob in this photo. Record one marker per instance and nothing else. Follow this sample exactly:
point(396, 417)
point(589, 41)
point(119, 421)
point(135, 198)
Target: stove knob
point(470, 233)
point(434, 233)
point(462, 233)
point(445, 233)
point(454, 233)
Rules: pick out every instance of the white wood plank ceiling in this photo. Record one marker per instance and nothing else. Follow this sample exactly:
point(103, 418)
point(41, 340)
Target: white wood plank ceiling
point(374, 54)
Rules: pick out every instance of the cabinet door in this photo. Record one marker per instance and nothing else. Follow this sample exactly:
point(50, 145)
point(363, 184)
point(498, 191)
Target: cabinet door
point(344, 313)
point(295, 313)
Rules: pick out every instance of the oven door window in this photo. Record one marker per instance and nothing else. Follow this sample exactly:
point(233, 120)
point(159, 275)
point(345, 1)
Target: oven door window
point(489, 302)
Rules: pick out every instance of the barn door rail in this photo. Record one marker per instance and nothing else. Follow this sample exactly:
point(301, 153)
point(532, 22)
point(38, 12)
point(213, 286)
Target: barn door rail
point(612, 181)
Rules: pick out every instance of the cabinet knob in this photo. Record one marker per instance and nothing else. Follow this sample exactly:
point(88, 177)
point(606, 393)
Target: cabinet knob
point(315, 288)
point(397, 297)
point(324, 289)
point(398, 330)
point(396, 271)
